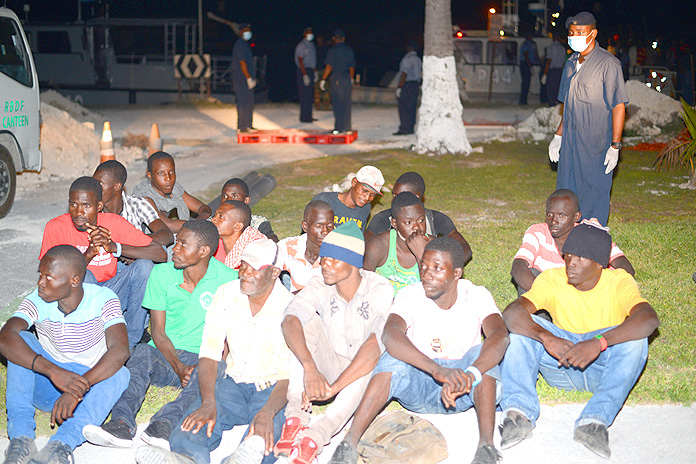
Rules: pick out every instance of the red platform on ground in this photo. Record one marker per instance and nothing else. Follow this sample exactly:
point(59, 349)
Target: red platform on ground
point(295, 136)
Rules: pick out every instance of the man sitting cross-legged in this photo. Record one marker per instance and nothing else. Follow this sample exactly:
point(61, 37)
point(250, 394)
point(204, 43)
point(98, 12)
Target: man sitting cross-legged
point(435, 362)
point(103, 238)
point(542, 242)
point(395, 253)
point(246, 313)
point(233, 219)
point(333, 328)
point(172, 201)
point(597, 341)
point(178, 294)
point(301, 253)
point(73, 369)
point(138, 211)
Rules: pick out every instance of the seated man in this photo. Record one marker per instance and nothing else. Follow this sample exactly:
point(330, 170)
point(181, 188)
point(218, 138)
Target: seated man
point(354, 205)
point(395, 253)
point(237, 189)
point(333, 328)
point(435, 362)
point(247, 313)
point(438, 224)
point(173, 203)
point(103, 238)
point(112, 176)
point(75, 367)
point(597, 342)
point(301, 253)
point(178, 295)
point(233, 219)
point(542, 243)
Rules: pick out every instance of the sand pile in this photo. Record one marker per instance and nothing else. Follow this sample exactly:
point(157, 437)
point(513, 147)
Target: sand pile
point(74, 109)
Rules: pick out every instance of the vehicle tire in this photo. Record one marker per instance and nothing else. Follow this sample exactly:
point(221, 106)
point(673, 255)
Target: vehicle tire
point(8, 182)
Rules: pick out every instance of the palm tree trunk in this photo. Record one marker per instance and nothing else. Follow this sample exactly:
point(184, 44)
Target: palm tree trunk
point(440, 126)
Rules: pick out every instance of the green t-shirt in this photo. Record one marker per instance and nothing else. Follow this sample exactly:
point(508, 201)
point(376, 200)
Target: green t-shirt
point(395, 272)
point(185, 312)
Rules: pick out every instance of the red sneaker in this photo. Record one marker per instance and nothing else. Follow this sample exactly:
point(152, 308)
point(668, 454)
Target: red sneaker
point(286, 442)
point(305, 452)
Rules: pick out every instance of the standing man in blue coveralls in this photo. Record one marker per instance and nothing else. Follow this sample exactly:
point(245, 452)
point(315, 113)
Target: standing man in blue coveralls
point(340, 65)
point(588, 140)
point(243, 79)
point(528, 58)
point(306, 62)
point(407, 92)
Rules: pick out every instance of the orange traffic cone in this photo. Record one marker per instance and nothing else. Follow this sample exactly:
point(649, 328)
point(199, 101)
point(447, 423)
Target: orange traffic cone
point(156, 143)
point(106, 144)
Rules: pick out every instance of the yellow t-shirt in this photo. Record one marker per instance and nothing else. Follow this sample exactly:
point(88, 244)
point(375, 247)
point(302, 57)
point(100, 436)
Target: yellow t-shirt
point(606, 305)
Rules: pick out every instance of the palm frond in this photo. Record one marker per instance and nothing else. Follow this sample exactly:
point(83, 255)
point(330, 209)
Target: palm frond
point(681, 150)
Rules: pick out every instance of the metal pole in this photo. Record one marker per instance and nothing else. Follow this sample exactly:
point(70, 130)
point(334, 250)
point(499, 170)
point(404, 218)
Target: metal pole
point(200, 44)
point(79, 11)
point(490, 77)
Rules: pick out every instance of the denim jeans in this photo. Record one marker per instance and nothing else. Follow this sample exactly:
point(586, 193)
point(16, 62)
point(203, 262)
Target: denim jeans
point(148, 366)
point(129, 284)
point(420, 393)
point(237, 404)
point(27, 390)
point(610, 377)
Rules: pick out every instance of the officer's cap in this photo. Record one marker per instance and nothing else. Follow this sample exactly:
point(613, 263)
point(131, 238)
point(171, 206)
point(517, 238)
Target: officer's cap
point(581, 19)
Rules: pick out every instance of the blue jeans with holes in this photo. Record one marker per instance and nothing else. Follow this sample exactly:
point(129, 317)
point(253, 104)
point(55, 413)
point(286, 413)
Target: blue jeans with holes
point(148, 366)
point(237, 404)
point(610, 377)
point(27, 391)
point(420, 393)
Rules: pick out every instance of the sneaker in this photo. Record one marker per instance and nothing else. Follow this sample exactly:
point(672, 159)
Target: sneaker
point(305, 452)
point(157, 434)
point(20, 450)
point(114, 434)
point(249, 451)
point(487, 454)
point(345, 454)
point(286, 442)
point(54, 452)
point(595, 436)
point(156, 455)
point(515, 428)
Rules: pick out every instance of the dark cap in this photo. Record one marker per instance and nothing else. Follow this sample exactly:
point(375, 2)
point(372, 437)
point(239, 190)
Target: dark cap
point(339, 33)
point(581, 19)
point(589, 241)
point(244, 26)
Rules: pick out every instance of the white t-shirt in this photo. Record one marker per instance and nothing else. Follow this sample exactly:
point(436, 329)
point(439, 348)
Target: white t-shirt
point(444, 333)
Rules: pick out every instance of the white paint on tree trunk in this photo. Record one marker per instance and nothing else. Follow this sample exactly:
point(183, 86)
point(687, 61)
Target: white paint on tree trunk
point(440, 128)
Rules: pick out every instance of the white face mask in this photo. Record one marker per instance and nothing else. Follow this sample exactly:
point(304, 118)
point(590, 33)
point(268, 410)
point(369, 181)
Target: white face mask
point(246, 35)
point(579, 43)
point(309, 37)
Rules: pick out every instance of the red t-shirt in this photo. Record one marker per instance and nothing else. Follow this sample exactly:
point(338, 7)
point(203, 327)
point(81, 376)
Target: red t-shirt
point(61, 231)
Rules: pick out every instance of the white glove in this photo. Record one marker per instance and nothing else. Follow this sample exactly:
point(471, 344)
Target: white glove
point(611, 159)
point(251, 82)
point(322, 85)
point(398, 92)
point(555, 148)
point(543, 79)
point(306, 80)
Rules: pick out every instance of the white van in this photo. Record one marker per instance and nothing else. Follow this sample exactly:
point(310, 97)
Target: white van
point(19, 105)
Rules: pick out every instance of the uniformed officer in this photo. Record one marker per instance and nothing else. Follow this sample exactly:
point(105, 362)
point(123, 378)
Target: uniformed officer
point(243, 80)
point(306, 62)
point(528, 58)
point(553, 69)
point(407, 92)
point(340, 65)
point(587, 142)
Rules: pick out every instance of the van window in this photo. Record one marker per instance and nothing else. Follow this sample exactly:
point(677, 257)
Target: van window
point(14, 60)
point(53, 42)
point(470, 50)
point(505, 52)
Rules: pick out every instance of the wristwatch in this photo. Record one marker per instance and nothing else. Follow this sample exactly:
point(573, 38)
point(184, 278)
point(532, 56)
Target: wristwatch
point(617, 145)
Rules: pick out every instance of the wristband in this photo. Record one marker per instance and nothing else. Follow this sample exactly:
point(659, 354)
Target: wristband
point(473, 370)
point(32, 363)
point(118, 250)
point(603, 341)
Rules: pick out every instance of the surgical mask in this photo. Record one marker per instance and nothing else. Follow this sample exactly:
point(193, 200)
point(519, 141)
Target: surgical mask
point(578, 43)
point(309, 37)
point(246, 35)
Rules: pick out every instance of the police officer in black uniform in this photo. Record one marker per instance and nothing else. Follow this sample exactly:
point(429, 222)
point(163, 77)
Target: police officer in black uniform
point(243, 80)
point(340, 66)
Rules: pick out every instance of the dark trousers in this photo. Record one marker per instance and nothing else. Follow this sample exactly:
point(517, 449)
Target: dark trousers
point(408, 103)
point(306, 94)
point(526, 73)
point(340, 100)
point(553, 83)
point(245, 104)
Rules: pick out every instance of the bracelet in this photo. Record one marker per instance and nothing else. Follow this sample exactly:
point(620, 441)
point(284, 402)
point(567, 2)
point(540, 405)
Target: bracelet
point(603, 341)
point(473, 370)
point(118, 250)
point(33, 361)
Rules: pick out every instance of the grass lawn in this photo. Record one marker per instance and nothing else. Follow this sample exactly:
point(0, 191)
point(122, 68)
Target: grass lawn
point(493, 197)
